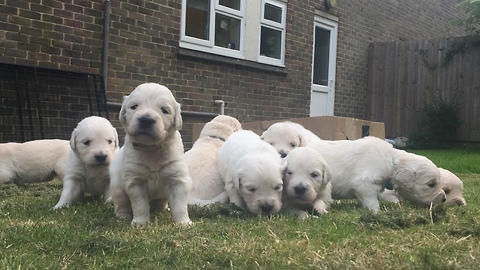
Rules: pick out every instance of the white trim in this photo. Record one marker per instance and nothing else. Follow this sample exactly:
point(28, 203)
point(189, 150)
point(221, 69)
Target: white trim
point(275, 26)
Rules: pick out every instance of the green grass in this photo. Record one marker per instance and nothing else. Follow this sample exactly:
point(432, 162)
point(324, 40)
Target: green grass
point(88, 236)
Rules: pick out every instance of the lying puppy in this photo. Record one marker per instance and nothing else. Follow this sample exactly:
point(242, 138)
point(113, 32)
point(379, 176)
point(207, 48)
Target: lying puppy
point(94, 143)
point(285, 136)
point(307, 185)
point(33, 161)
point(252, 171)
point(361, 168)
point(202, 159)
point(149, 168)
point(453, 187)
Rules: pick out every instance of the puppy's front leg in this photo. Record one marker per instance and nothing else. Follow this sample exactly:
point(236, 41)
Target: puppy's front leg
point(138, 194)
point(320, 207)
point(177, 200)
point(71, 192)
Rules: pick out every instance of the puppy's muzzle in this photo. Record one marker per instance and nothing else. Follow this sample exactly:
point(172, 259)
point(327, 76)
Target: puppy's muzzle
point(266, 208)
point(100, 158)
point(146, 121)
point(282, 154)
point(300, 190)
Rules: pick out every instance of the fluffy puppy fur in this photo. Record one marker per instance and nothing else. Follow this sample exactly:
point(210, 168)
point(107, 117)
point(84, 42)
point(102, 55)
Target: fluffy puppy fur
point(33, 161)
point(361, 168)
point(252, 170)
point(149, 169)
point(201, 159)
point(292, 135)
point(94, 143)
point(453, 187)
point(307, 185)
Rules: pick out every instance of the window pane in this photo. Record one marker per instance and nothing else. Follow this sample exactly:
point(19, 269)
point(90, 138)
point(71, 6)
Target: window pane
point(233, 4)
point(321, 56)
point(271, 43)
point(198, 18)
point(227, 32)
point(273, 13)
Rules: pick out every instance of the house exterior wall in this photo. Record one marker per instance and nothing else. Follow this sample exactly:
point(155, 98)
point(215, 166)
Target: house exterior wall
point(143, 46)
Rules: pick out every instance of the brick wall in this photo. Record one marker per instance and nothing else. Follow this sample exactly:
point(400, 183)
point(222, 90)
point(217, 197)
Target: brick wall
point(143, 46)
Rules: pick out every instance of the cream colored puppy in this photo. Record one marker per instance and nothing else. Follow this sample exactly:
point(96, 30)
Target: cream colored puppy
point(33, 161)
point(307, 185)
point(201, 159)
point(252, 170)
point(149, 168)
point(361, 168)
point(453, 187)
point(287, 135)
point(94, 143)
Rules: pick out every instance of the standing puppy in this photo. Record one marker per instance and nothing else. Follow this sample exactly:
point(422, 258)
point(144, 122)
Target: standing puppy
point(149, 168)
point(93, 144)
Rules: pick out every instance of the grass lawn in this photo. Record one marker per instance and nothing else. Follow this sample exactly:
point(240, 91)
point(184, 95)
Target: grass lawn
point(88, 236)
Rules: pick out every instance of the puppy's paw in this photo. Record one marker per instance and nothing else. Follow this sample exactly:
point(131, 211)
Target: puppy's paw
point(59, 206)
point(139, 221)
point(320, 211)
point(123, 215)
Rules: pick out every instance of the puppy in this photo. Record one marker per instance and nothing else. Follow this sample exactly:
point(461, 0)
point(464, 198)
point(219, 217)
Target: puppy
point(306, 182)
point(285, 136)
point(252, 171)
point(149, 168)
point(201, 159)
point(33, 161)
point(94, 143)
point(453, 187)
point(361, 168)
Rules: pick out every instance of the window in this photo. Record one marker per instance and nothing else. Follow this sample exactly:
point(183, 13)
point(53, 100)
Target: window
point(243, 29)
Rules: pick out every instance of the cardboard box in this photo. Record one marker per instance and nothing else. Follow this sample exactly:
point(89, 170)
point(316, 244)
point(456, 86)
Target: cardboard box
point(325, 127)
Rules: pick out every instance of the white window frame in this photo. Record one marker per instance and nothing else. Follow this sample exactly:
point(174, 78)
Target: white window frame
point(275, 26)
point(209, 45)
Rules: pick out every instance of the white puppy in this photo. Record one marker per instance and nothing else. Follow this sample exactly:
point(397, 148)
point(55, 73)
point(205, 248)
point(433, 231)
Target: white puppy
point(453, 187)
point(94, 143)
point(149, 168)
point(361, 168)
point(33, 161)
point(201, 159)
point(252, 171)
point(307, 185)
point(291, 134)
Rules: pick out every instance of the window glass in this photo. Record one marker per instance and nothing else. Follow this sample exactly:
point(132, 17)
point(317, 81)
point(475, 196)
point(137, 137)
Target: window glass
point(273, 13)
point(227, 32)
point(197, 19)
point(233, 4)
point(270, 43)
point(321, 56)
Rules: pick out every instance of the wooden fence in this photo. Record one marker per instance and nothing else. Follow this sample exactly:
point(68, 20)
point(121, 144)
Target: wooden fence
point(406, 75)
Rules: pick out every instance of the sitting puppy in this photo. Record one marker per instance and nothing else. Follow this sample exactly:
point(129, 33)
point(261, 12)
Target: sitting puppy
point(306, 182)
point(149, 168)
point(202, 159)
point(453, 187)
point(360, 168)
point(252, 171)
point(93, 144)
point(287, 135)
point(33, 161)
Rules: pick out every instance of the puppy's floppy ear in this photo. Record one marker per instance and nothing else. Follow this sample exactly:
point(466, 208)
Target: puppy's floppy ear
point(123, 111)
point(327, 175)
point(73, 138)
point(117, 143)
point(178, 117)
point(237, 178)
point(404, 177)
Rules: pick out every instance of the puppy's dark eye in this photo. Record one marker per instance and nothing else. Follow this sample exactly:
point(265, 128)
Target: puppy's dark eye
point(164, 111)
point(279, 187)
point(447, 191)
point(432, 184)
point(251, 189)
point(288, 172)
point(134, 107)
point(110, 141)
point(313, 174)
point(293, 145)
point(87, 142)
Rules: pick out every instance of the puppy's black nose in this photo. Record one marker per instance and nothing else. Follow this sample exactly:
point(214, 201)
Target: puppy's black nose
point(282, 154)
point(266, 208)
point(146, 121)
point(300, 190)
point(444, 199)
point(100, 158)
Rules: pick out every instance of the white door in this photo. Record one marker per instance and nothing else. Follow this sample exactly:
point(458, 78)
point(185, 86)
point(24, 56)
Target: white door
point(323, 67)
